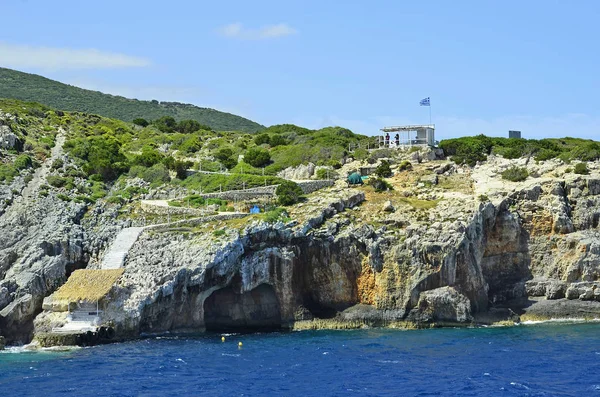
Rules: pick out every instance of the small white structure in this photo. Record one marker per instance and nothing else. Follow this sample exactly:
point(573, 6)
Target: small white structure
point(406, 136)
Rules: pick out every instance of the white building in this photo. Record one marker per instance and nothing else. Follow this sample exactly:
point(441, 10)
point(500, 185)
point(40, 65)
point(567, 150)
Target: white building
point(406, 136)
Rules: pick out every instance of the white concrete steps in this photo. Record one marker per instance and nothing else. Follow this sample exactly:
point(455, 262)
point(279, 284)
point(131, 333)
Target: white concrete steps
point(117, 253)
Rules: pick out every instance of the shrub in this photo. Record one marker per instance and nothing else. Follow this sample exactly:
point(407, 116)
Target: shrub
point(189, 126)
point(141, 122)
point(380, 185)
point(277, 140)
point(22, 162)
point(405, 165)
point(324, 173)
point(56, 181)
point(515, 174)
point(165, 124)
point(262, 139)
point(360, 154)
point(219, 233)
point(157, 174)
point(58, 163)
point(257, 157)
point(276, 214)
point(148, 158)
point(483, 198)
point(288, 193)
point(383, 170)
point(63, 197)
point(581, 168)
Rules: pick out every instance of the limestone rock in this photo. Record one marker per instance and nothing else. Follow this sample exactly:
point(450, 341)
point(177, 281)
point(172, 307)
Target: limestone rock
point(298, 173)
point(443, 304)
point(388, 206)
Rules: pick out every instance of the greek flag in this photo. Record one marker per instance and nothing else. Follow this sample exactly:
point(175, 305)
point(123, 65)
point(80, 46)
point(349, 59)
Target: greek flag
point(425, 102)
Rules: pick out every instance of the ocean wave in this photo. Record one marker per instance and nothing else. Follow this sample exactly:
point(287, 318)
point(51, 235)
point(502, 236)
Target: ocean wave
point(560, 320)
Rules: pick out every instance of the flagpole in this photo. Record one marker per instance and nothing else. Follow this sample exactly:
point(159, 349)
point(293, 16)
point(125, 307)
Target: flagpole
point(430, 112)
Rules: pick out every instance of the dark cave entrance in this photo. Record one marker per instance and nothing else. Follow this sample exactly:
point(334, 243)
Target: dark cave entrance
point(257, 310)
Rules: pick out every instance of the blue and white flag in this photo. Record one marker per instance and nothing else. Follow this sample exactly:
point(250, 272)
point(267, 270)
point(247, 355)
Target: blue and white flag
point(425, 102)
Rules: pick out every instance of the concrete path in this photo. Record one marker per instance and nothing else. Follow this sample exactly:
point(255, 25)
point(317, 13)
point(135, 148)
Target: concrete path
point(117, 253)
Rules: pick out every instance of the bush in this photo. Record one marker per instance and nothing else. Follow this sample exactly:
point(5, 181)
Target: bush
point(383, 170)
point(275, 215)
point(58, 163)
point(288, 193)
point(324, 173)
point(277, 140)
point(257, 157)
point(581, 169)
point(219, 232)
point(360, 154)
point(262, 139)
point(148, 158)
point(405, 165)
point(22, 162)
point(165, 124)
point(380, 185)
point(515, 174)
point(157, 174)
point(189, 126)
point(141, 122)
point(56, 181)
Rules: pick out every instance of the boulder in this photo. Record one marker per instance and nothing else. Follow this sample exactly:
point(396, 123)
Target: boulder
point(303, 171)
point(8, 140)
point(443, 304)
point(388, 206)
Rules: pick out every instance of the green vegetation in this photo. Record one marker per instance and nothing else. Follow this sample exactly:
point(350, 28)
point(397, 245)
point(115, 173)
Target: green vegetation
point(383, 170)
point(515, 174)
point(404, 165)
point(380, 185)
point(197, 201)
point(257, 157)
point(209, 183)
point(470, 150)
point(30, 87)
point(288, 193)
point(581, 168)
point(276, 214)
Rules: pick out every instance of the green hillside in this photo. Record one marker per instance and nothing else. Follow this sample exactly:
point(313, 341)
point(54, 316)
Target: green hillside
point(31, 87)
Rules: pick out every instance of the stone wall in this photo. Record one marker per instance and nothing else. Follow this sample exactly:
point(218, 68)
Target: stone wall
point(170, 210)
point(313, 186)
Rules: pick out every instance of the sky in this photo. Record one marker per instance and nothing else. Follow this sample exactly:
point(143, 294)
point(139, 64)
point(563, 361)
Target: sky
point(488, 66)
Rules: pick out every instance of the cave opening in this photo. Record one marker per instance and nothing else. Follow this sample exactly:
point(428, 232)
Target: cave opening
point(256, 310)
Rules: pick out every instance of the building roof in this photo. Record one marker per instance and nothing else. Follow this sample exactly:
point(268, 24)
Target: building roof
point(407, 127)
point(88, 285)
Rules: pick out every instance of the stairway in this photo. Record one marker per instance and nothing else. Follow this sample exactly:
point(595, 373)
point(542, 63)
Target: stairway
point(117, 253)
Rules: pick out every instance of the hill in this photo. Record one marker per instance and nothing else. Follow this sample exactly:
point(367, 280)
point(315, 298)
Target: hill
point(31, 87)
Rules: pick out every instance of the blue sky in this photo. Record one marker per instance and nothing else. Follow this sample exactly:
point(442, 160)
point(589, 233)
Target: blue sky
point(488, 66)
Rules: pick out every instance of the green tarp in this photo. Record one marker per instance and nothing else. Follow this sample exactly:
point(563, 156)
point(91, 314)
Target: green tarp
point(355, 179)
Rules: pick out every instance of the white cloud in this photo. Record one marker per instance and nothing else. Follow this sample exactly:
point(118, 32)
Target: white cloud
point(54, 58)
point(237, 31)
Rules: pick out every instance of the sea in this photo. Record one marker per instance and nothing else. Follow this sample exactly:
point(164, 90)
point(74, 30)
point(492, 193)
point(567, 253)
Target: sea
point(527, 360)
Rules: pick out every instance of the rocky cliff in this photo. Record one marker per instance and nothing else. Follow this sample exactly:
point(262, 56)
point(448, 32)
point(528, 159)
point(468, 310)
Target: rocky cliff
point(449, 245)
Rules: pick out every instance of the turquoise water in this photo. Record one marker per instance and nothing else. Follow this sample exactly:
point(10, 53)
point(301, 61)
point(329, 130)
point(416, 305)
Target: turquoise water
point(545, 360)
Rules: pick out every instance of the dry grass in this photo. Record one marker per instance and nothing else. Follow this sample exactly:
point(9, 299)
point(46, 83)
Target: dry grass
point(88, 285)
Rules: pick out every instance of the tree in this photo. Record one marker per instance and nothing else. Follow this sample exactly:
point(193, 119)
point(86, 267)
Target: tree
point(181, 168)
point(257, 157)
point(148, 158)
point(383, 170)
point(277, 140)
point(262, 139)
point(288, 193)
point(165, 124)
point(188, 126)
point(141, 122)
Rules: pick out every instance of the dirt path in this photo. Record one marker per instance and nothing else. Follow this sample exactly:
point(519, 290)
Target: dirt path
point(39, 177)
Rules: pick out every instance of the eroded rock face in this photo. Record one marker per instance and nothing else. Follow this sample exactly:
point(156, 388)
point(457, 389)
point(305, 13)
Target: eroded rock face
point(42, 242)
